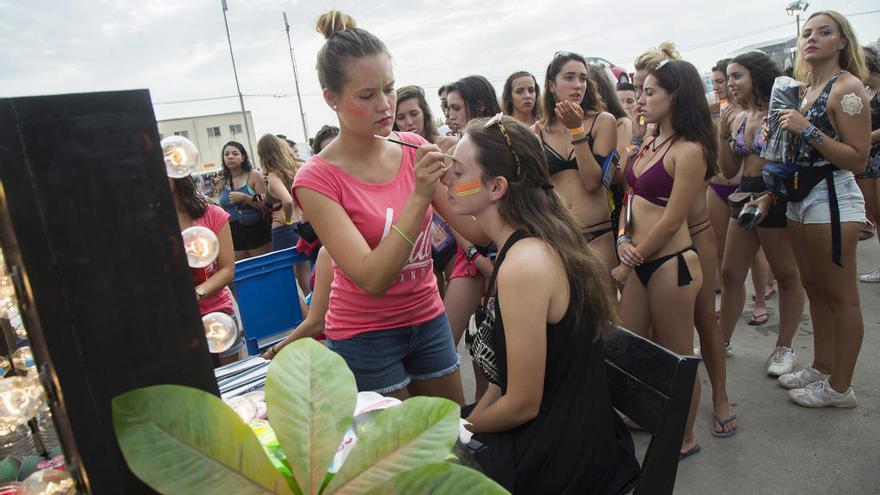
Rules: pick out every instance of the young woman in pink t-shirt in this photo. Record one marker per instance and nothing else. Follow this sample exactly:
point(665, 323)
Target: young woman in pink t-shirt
point(194, 209)
point(370, 201)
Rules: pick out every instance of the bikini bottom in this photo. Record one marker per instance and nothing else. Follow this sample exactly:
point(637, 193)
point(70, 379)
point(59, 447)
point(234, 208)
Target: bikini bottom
point(591, 235)
point(646, 270)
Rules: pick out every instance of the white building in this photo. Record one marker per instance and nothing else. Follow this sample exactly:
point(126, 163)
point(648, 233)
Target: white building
point(210, 132)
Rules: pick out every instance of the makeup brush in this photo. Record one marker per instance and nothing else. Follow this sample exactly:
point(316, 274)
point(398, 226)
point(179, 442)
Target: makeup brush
point(413, 146)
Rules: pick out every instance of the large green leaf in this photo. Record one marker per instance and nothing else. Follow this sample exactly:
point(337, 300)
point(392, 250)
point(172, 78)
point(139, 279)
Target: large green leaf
point(184, 440)
point(439, 479)
point(420, 431)
point(311, 395)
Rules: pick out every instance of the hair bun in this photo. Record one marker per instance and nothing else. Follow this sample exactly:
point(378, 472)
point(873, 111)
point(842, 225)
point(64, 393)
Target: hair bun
point(334, 21)
point(667, 48)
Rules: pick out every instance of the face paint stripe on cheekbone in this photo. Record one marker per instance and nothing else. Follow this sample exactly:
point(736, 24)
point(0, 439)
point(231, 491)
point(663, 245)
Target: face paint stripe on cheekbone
point(468, 188)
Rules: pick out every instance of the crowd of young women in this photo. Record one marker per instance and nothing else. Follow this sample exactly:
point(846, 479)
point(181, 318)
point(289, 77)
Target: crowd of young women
point(517, 209)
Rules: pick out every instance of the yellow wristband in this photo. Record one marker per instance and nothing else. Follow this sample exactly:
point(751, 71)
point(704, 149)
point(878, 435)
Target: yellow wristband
point(576, 131)
point(405, 237)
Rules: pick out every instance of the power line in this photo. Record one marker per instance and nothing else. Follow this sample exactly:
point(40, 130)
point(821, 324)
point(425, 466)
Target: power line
point(696, 46)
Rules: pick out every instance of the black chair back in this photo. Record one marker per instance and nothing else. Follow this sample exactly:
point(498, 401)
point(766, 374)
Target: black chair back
point(653, 387)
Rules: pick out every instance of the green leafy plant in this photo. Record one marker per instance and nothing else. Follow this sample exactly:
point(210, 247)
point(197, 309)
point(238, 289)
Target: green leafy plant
point(183, 440)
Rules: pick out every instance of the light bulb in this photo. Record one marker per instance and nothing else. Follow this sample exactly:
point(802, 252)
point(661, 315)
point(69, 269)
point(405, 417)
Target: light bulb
point(201, 246)
point(48, 482)
point(181, 156)
point(21, 332)
point(21, 397)
point(220, 330)
point(7, 303)
point(6, 287)
point(23, 359)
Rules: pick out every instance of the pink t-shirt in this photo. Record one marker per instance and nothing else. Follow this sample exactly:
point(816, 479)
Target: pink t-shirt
point(413, 298)
point(215, 218)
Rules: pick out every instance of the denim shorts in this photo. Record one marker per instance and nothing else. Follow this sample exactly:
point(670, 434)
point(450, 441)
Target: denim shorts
point(815, 208)
point(386, 361)
point(284, 237)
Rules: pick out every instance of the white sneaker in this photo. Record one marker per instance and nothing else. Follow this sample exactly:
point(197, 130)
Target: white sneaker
point(802, 378)
point(871, 277)
point(820, 394)
point(782, 361)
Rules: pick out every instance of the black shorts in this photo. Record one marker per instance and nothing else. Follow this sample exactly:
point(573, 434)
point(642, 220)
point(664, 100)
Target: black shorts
point(775, 218)
point(247, 237)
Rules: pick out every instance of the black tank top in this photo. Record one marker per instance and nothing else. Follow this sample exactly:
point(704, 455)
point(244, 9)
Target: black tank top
point(577, 444)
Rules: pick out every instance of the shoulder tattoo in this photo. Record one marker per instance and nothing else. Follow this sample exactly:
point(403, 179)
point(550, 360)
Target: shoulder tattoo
point(852, 104)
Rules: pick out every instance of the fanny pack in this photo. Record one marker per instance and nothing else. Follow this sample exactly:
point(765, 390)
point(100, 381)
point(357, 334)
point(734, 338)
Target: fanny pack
point(791, 182)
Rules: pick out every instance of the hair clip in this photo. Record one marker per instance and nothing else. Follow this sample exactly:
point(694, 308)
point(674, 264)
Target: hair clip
point(661, 64)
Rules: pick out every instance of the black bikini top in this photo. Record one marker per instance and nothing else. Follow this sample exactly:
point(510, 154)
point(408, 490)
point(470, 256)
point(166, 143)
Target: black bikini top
point(556, 163)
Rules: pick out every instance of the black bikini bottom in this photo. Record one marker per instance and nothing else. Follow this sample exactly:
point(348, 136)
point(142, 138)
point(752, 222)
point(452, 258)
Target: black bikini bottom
point(591, 235)
point(646, 270)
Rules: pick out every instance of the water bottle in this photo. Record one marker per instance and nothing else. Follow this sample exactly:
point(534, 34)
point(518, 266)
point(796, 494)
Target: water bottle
point(748, 217)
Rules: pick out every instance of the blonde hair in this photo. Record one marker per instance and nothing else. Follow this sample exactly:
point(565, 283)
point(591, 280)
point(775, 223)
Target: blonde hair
point(852, 58)
point(277, 157)
point(653, 56)
point(345, 41)
point(334, 21)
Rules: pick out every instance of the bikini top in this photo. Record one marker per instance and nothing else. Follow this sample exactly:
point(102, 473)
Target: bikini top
point(738, 143)
point(655, 183)
point(556, 163)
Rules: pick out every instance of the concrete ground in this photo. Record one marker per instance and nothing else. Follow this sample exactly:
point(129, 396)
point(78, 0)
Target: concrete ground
point(782, 448)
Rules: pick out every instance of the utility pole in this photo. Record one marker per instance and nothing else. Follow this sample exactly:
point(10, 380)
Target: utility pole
point(296, 79)
point(247, 129)
point(794, 9)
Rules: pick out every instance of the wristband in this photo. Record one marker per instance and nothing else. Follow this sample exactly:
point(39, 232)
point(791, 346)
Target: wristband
point(576, 131)
point(405, 237)
point(581, 140)
point(622, 239)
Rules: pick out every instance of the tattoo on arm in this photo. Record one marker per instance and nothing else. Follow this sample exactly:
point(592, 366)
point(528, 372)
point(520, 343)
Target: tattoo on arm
point(852, 104)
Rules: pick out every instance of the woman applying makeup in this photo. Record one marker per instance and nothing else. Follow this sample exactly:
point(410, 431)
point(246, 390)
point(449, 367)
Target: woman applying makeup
point(370, 202)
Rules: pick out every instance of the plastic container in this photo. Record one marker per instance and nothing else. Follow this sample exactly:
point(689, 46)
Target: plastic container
point(267, 297)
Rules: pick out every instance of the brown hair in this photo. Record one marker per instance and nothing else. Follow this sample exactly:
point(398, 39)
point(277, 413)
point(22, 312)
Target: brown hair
point(507, 94)
point(606, 90)
point(532, 205)
point(186, 194)
point(277, 157)
point(429, 132)
point(852, 59)
point(344, 41)
point(592, 101)
point(689, 111)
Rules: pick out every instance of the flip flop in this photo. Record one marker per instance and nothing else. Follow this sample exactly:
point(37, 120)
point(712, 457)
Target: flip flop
point(722, 423)
point(693, 450)
point(759, 319)
point(769, 292)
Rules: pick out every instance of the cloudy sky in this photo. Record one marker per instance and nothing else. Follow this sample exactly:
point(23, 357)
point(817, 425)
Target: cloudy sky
point(178, 49)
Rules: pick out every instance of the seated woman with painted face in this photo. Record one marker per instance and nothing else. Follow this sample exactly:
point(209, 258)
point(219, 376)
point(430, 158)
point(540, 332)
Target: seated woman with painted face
point(546, 417)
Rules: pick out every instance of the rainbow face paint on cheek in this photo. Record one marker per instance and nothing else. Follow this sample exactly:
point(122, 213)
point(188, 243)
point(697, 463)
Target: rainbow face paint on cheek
point(468, 188)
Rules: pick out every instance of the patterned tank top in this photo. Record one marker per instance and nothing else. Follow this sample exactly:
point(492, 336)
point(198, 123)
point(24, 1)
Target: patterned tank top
point(817, 114)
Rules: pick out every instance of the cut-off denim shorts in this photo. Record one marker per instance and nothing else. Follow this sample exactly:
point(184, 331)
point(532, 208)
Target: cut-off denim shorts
point(386, 361)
